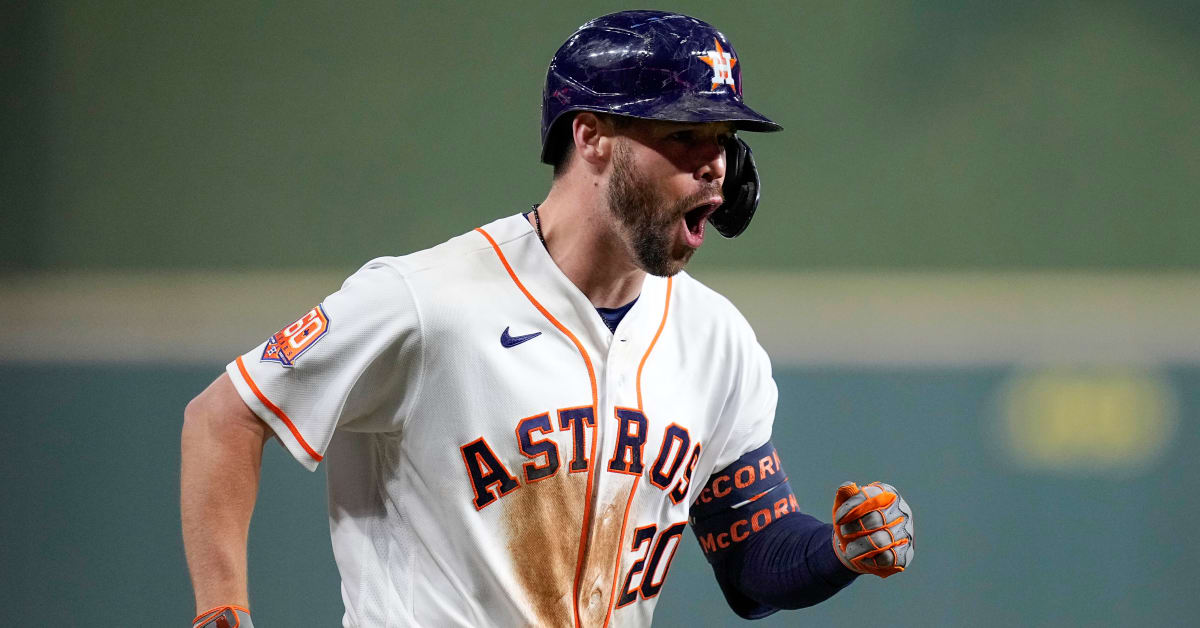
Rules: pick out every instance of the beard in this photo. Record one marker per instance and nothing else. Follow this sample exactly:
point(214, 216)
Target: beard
point(648, 220)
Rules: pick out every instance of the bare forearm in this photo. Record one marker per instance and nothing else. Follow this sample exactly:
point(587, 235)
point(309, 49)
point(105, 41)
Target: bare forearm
point(221, 460)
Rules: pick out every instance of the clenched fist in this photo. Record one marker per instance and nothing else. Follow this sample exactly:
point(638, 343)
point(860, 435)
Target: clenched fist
point(872, 529)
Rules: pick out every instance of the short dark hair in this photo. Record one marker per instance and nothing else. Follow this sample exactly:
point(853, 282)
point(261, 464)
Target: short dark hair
point(559, 145)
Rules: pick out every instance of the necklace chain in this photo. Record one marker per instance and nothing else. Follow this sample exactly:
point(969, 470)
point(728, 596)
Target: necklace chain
point(537, 222)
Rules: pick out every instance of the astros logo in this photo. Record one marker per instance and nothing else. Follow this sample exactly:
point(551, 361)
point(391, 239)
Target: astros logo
point(291, 341)
point(722, 64)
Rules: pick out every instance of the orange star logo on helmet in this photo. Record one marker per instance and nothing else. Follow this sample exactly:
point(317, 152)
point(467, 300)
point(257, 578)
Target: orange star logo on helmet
point(722, 64)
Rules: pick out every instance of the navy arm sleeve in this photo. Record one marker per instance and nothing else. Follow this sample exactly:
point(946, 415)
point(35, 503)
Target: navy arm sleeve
point(765, 553)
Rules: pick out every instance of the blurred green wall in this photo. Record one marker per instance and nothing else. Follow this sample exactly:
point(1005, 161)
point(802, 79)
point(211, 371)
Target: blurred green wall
point(918, 133)
point(93, 458)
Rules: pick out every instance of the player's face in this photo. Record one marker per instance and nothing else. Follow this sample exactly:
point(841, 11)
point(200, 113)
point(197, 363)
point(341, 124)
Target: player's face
point(665, 182)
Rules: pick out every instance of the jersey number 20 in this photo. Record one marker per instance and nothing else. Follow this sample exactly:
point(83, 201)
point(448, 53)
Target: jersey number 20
point(651, 560)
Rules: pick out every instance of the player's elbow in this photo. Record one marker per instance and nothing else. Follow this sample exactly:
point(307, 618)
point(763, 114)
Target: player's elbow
point(198, 414)
point(193, 412)
point(218, 414)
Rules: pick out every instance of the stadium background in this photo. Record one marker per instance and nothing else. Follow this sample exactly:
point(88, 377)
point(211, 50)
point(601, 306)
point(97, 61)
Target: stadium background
point(975, 267)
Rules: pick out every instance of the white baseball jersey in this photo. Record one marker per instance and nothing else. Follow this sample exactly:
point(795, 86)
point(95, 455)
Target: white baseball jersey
point(496, 456)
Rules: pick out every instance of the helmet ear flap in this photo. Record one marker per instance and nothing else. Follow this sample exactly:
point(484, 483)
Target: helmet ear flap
point(741, 189)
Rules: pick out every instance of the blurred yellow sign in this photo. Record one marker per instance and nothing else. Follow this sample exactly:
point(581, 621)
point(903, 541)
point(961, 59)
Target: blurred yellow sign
point(1087, 419)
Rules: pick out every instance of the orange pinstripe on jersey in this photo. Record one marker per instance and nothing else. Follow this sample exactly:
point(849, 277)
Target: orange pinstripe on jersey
point(661, 325)
point(595, 402)
point(612, 596)
point(276, 411)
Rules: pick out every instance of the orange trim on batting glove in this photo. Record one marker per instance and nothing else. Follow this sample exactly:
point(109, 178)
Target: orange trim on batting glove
point(874, 535)
point(220, 617)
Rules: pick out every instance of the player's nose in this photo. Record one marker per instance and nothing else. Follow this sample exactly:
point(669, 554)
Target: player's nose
point(711, 161)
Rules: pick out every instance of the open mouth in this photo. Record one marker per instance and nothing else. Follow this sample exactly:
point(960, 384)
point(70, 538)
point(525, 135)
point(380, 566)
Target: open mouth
point(694, 219)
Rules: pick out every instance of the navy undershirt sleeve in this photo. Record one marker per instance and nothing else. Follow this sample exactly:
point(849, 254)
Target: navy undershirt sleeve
point(789, 564)
point(765, 553)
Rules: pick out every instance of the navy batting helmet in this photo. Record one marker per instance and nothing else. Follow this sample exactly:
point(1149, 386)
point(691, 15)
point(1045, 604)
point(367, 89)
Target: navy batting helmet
point(660, 66)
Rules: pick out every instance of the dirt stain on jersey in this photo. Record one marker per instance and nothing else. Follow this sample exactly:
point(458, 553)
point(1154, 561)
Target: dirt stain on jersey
point(602, 556)
point(543, 522)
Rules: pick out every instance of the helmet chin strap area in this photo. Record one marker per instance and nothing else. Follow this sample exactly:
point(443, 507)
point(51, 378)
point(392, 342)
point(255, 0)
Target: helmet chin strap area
point(740, 188)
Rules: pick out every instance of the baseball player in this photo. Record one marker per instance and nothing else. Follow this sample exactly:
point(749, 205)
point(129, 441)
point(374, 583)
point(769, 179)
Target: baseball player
point(519, 424)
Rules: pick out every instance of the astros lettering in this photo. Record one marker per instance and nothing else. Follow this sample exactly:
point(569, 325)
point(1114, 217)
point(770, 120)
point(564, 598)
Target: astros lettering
point(490, 479)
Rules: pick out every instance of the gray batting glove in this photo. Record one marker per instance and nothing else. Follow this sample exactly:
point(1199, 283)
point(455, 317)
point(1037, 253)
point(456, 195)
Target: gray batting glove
point(224, 617)
point(872, 529)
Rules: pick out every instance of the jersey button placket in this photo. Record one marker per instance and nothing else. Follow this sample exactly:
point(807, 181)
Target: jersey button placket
point(624, 361)
point(612, 392)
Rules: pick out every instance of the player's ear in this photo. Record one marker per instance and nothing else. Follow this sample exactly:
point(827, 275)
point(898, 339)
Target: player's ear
point(594, 138)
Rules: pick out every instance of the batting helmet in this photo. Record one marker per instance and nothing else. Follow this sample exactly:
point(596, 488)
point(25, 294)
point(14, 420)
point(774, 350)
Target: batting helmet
point(659, 66)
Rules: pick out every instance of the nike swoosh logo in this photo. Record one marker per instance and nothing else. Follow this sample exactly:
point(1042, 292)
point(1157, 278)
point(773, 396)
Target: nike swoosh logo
point(512, 341)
